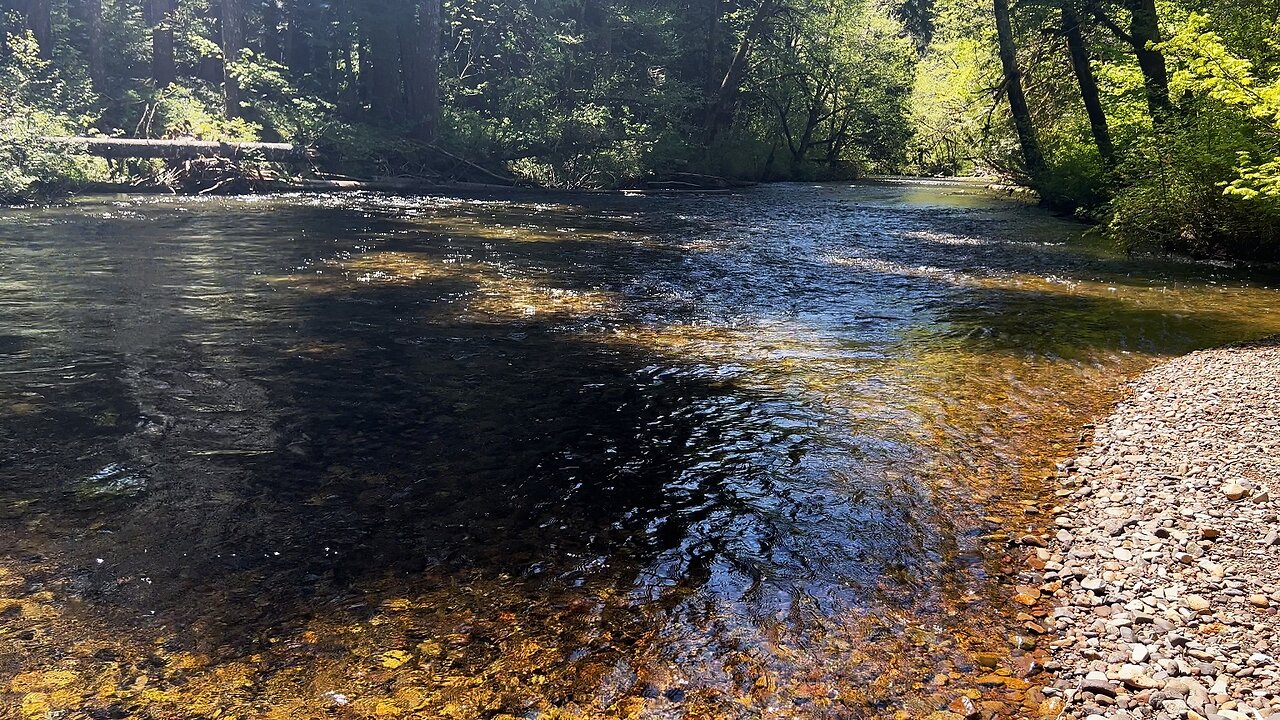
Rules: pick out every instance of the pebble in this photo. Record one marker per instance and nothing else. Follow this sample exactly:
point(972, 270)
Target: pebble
point(1234, 492)
point(1195, 602)
point(1161, 562)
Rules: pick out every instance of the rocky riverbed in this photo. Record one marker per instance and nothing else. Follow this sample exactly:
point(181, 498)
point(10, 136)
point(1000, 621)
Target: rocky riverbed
point(1164, 572)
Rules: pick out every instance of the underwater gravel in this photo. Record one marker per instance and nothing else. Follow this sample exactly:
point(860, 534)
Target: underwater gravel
point(1165, 567)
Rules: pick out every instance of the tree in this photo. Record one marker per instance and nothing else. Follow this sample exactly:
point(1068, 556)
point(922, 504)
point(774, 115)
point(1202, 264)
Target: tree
point(1083, 69)
point(721, 111)
point(380, 53)
point(159, 18)
point(1144, 35)
point(40, 25)
point(837, 74)
point(420, 57)
point(232, 43)
point(1032, 155)
point(95, 52)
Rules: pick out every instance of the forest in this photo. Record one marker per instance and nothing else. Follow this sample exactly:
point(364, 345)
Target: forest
point(1159, 121)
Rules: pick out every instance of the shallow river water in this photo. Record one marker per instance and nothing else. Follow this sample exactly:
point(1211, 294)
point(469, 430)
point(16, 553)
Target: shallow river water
point(758, 455)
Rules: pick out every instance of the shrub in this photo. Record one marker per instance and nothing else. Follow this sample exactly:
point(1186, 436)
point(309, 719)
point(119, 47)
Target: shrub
point(37, 101)
point(1173, 197)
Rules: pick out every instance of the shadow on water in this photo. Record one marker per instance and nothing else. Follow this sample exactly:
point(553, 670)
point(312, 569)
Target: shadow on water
point(661, 457)
point(1027, 321)
point(386, 436)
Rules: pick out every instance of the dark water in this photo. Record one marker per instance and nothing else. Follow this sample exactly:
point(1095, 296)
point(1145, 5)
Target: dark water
point(360, 456)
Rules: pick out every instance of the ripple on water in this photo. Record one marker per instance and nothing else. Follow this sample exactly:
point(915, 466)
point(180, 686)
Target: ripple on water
point(568, 457)
point(110, 481)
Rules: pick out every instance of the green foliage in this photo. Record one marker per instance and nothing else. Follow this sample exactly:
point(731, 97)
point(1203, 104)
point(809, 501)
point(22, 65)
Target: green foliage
point(958, 120)
point(1204, 180)
point(1209, 70)
point(1171, 194)
point(37, 101)
point(1207, 181)
point(568, 96)
point(567, 93)
point(1078, 180)
point(195, 111)
point(288, 113)
point(837, 81)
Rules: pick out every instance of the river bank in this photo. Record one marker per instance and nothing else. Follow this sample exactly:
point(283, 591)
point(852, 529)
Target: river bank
point(1163, 570)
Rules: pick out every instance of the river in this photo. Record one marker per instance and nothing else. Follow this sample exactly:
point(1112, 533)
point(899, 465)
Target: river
point(757, 455)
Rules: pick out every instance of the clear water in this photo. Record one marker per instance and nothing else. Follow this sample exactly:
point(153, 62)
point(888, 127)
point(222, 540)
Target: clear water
point(588, 456)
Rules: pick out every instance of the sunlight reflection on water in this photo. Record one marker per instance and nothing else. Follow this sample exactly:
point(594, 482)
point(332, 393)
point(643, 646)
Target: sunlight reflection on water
point(598, 457)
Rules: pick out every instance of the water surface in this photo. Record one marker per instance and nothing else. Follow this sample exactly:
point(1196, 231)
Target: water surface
point(732, 456)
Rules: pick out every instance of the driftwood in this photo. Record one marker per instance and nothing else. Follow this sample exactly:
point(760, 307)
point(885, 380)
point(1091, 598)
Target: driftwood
point(117, 148)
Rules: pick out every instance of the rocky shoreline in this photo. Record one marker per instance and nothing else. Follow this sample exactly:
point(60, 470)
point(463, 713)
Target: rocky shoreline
point(1163, 570)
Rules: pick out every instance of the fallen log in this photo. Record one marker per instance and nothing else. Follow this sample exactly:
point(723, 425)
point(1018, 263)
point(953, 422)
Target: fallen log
point(118, 148)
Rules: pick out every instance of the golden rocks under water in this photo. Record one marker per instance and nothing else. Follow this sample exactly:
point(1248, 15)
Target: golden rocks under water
point(996, 389)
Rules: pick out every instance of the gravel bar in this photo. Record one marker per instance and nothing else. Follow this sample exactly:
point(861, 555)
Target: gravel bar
point(1164, 571)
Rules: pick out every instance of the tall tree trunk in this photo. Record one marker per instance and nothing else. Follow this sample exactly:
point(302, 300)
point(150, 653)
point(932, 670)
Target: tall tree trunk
point(232, 43)
point(722, 110)
point(97, 52)
point(346, 39)
point(383, 52)
point(41, 26)
point(711, 51)
point(159, 15)
point(89, 13)
point(431, 28)
point(1031, 153)
point(272, 37)
point(420, 63)
point(1144, 31)
point(1088, 83)
point(297, 45)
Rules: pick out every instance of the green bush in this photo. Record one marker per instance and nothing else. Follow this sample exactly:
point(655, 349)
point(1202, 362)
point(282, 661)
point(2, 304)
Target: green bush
point(196, 111)
point(38, 101)
point(1173, 191)
point(1077, 180)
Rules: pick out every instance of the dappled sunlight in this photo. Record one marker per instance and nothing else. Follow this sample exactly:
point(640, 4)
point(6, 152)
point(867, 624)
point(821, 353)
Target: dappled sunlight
point(413, 457)
point(890, 267)
point(465, 645)
point(486, 294)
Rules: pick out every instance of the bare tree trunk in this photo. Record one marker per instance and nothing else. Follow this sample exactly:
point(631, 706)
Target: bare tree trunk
point(711, 51)
point(272, 37)
point(722, 111)
point(420, 62)
point(1088, 83)
point(1144, 31)
point(232, 42)
point(41, 26)
point(431, 28)
point(97, 53)
point(346, 38)
point(297, 44)
point(89, 12)
point(1031, 153)
point(160, 17)
point(185, 149)
point(383, 52)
